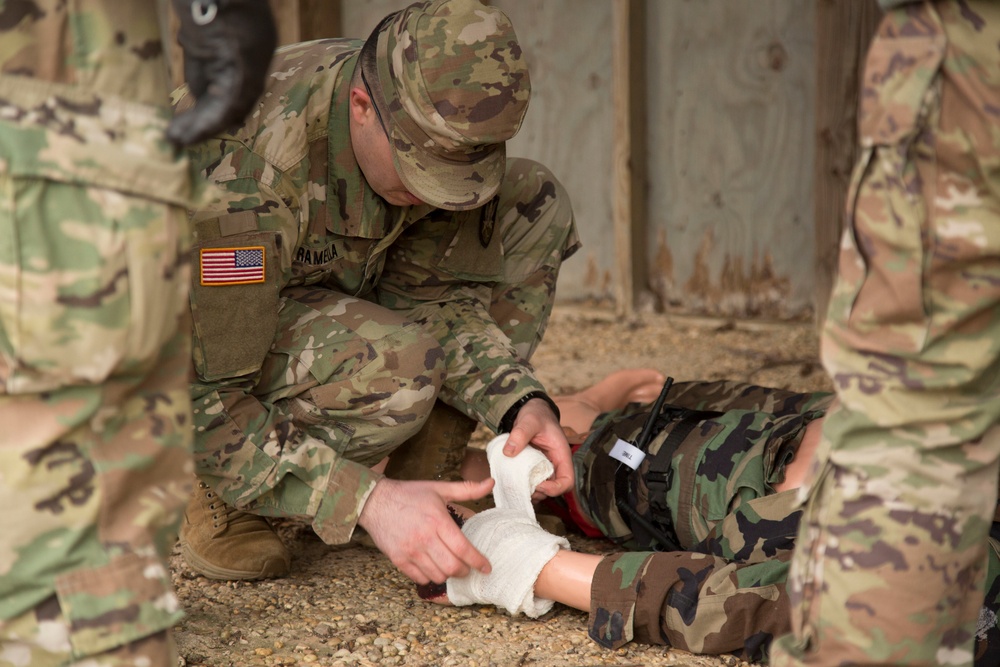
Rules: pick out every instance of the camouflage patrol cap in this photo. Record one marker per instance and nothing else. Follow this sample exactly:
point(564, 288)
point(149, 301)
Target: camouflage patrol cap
point(455, 85)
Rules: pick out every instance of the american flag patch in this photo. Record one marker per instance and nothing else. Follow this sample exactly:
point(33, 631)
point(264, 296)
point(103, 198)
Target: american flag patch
point(232, 266)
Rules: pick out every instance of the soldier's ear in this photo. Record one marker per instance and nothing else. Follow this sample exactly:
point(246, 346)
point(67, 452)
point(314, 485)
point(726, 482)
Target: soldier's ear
point(361, 109)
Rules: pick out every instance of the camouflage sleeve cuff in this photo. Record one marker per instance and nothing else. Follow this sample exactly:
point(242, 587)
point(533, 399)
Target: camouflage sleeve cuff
point(494, 407)
point(347, 490)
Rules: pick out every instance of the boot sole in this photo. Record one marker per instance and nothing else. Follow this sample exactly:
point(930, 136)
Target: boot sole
point(270, 569)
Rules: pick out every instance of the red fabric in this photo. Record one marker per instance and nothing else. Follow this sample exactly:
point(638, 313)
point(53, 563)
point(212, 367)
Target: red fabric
point(568, 509)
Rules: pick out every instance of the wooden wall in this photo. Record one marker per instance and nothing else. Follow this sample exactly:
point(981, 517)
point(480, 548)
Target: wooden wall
point(687, 134)
point(731, 117)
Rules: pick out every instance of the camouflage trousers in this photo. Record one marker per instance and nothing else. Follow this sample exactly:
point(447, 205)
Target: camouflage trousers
point(95, 437)
point(891, 556)
point(349, 379)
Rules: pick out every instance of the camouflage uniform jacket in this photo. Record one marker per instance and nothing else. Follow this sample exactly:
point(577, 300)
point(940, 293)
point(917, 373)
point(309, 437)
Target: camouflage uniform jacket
point(291, 183)
point(95, 447)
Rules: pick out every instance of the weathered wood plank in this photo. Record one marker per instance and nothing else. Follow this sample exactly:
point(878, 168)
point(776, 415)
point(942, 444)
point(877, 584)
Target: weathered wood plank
point(319, 19)
point(629, 155)
point(731, 149)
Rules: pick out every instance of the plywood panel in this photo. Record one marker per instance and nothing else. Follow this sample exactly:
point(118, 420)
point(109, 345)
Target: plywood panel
point(570, 124)
point(731, 90)
point(318, 19)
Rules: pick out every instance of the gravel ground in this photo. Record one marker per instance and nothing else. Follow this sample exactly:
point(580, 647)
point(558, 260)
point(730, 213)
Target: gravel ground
point(347, 605)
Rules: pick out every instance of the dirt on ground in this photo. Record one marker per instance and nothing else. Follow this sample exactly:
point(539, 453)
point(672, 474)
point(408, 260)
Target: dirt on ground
point(347, 605)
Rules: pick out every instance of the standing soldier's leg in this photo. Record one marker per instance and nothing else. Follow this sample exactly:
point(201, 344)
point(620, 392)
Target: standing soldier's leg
point(94, 444)
point(891, 555)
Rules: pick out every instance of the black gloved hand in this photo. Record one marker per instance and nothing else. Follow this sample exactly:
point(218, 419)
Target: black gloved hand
point(227, 48)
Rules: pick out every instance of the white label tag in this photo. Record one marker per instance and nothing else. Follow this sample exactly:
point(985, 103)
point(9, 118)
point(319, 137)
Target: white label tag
point(628, 454)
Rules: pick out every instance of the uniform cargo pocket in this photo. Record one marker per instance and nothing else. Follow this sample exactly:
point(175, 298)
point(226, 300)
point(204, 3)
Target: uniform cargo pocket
point(109, 606)
point(881, 268)
point(92, 281)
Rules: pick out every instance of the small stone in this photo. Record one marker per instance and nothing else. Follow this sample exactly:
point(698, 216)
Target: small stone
point(263, 651)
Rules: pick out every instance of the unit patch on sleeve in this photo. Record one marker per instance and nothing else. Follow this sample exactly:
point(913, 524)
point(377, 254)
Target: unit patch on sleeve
point(232, 266)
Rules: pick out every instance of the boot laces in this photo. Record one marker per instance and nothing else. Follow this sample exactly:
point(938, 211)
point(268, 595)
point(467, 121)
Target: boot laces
point(223, 513)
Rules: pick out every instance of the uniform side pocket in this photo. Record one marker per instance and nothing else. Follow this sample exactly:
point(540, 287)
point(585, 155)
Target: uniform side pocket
point(92, 281)
point(879, 294)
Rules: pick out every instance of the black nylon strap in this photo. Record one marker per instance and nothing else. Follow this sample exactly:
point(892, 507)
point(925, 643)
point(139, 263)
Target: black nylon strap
point(657, 525)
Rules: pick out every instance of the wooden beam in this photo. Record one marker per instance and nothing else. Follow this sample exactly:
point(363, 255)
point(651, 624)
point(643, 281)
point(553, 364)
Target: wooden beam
point(844, 30)
point(306, 20)
point(287, 19)
point(629, 158)
point(320, 19)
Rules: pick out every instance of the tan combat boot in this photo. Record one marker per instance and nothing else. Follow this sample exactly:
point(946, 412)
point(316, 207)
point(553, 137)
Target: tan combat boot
point(221, 542)
point(437, 450)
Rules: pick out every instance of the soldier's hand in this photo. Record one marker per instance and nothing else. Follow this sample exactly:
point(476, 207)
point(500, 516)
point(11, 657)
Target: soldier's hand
point(410, 523)
point(227, 48)
point(537, 424)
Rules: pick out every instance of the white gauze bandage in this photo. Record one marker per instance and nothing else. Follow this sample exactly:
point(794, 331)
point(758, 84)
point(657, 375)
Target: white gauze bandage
point(517, 548)
point(510, 537)
point(517, 477)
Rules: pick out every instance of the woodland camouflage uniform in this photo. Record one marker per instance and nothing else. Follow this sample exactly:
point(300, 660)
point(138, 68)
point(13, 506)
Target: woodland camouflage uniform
point(892, 552)
point(94, 409)
point(724, 589)
point(363, 313)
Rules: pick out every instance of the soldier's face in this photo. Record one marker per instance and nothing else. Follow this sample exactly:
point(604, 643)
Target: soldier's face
point(371, 150)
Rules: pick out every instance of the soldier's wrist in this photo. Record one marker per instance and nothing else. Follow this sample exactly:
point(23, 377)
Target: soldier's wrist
point(509, 417)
